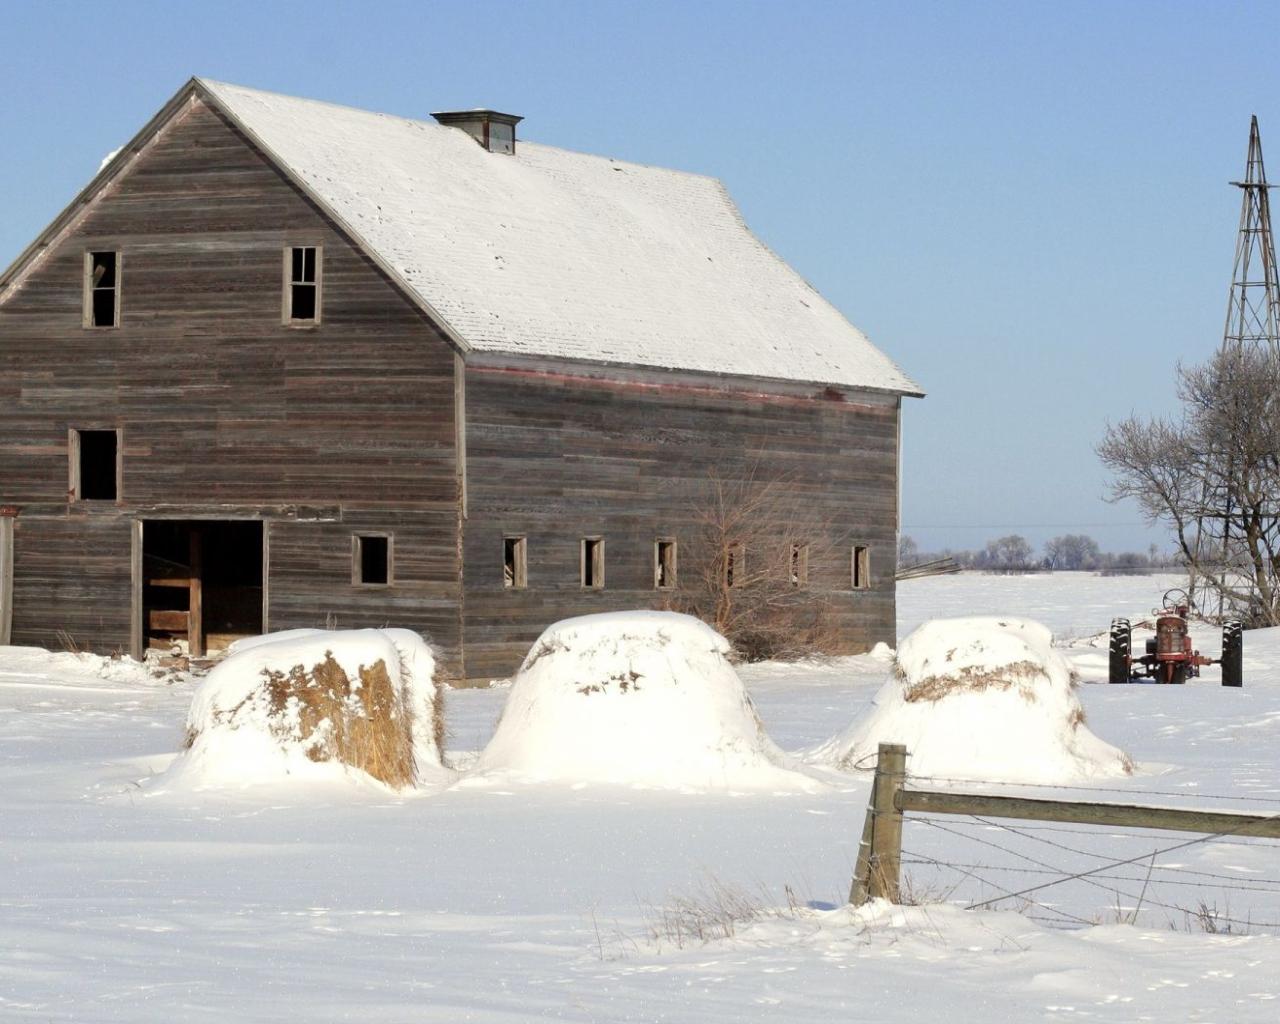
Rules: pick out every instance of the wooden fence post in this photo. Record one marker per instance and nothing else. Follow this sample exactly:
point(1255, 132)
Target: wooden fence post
point(859, 893)
point(880, 853)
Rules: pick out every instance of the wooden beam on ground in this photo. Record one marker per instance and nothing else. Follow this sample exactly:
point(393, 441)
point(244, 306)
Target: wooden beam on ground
point(1079, 813)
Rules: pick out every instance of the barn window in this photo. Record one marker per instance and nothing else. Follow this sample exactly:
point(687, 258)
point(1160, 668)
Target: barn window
point(664, 564)
point(302, 266)
point(591, 563)
point(95, 465)
point(735, 566)
point(515, 569)
point(861, 568)
point(102, 289)
point(371, 559)
point(799, 574)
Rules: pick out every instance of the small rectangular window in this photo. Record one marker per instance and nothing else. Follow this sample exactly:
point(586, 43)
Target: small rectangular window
point(592, 562)
point(799, 565)
point(515, 571)
point(371, 559)
point(735, 566)
point(101, 289)
point(302, 266)
point(861, 568)
point(95, 465)
point(664, 564)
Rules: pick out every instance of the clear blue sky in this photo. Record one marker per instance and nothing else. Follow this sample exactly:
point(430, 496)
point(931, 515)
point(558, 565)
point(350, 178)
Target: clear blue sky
point(1024, 204)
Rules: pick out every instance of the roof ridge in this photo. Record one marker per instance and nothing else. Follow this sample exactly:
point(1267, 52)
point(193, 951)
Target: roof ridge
point(213, 84)
point(552, 257)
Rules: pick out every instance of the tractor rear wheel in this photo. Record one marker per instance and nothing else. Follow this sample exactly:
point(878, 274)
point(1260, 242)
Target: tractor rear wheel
point(1233, 654)
point(1120, 651)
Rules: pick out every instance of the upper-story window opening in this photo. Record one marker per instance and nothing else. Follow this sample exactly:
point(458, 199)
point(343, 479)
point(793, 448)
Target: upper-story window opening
point(102, 289)
point(302, 284)
point(95, 465)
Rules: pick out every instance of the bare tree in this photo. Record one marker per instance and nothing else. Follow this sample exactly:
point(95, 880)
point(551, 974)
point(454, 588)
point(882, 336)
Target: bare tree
point(908, 551)
point(746, 571)
point(1213, 477)
point(1011, 553)
point(1072, 551)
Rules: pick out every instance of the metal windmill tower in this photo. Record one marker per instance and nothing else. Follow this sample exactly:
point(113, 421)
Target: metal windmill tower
point(1253, 310)
point(1253, 322)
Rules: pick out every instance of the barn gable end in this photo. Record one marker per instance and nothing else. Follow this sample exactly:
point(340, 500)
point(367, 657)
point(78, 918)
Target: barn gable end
point(224, 412)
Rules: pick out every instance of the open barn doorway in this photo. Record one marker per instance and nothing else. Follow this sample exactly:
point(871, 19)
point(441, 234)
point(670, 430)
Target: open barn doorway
point(202, 583)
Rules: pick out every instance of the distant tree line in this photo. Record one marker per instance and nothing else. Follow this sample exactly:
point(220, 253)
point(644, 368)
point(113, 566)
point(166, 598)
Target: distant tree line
point(1013, 553)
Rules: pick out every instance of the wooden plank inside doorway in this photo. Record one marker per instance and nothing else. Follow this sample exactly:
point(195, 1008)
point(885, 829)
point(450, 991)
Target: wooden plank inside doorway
point(195, 620)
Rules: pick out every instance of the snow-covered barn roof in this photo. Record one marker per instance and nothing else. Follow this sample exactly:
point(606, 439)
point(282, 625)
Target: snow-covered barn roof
point(554, 254)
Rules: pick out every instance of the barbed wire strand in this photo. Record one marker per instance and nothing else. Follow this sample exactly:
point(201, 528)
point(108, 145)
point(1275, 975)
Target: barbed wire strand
point(1139, 900)
point(1225, 884)
point(1112, 832)
point(992, 885)
point(1133, 860)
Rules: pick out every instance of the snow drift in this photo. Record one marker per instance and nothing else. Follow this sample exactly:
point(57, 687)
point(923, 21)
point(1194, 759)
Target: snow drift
point(316, 704)
point(638, 698)
point(983, 699)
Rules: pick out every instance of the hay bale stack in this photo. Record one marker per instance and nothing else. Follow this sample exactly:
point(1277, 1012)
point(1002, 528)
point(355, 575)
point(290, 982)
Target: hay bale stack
point(311, 704)
point(645, 699)
point(981, 698)
point(366, 724)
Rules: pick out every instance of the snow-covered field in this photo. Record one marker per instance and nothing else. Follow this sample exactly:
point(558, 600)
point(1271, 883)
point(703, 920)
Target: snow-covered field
point(508, 901)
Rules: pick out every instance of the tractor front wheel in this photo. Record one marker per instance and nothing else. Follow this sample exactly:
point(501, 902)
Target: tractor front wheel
point(1233, 654)
point(1120, 651)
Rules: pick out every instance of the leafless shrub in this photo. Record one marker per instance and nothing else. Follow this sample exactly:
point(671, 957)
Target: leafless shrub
point(912, 892)
point(713, 912)
point(746, 571)
point(1206, 917)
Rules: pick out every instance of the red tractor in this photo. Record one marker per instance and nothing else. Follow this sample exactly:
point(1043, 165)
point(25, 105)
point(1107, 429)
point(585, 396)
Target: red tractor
point(1169, 657)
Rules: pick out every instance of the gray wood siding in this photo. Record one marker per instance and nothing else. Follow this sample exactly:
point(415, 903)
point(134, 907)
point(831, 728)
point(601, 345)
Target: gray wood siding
point(223, 409)
point(558, 458)
point(311, 566)
point(71, 578)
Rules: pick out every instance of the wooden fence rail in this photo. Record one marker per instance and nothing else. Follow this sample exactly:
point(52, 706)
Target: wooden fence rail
point(877, 875)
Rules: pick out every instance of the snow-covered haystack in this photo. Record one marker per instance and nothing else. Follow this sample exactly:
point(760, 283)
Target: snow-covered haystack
point(638, 698)
point(984, 699)
point(314, 704)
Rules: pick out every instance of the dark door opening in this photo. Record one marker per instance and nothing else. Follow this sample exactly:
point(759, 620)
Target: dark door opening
point(202, 583)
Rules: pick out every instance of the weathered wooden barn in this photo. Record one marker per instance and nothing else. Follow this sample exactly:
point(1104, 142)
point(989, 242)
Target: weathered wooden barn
point(286, 364)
